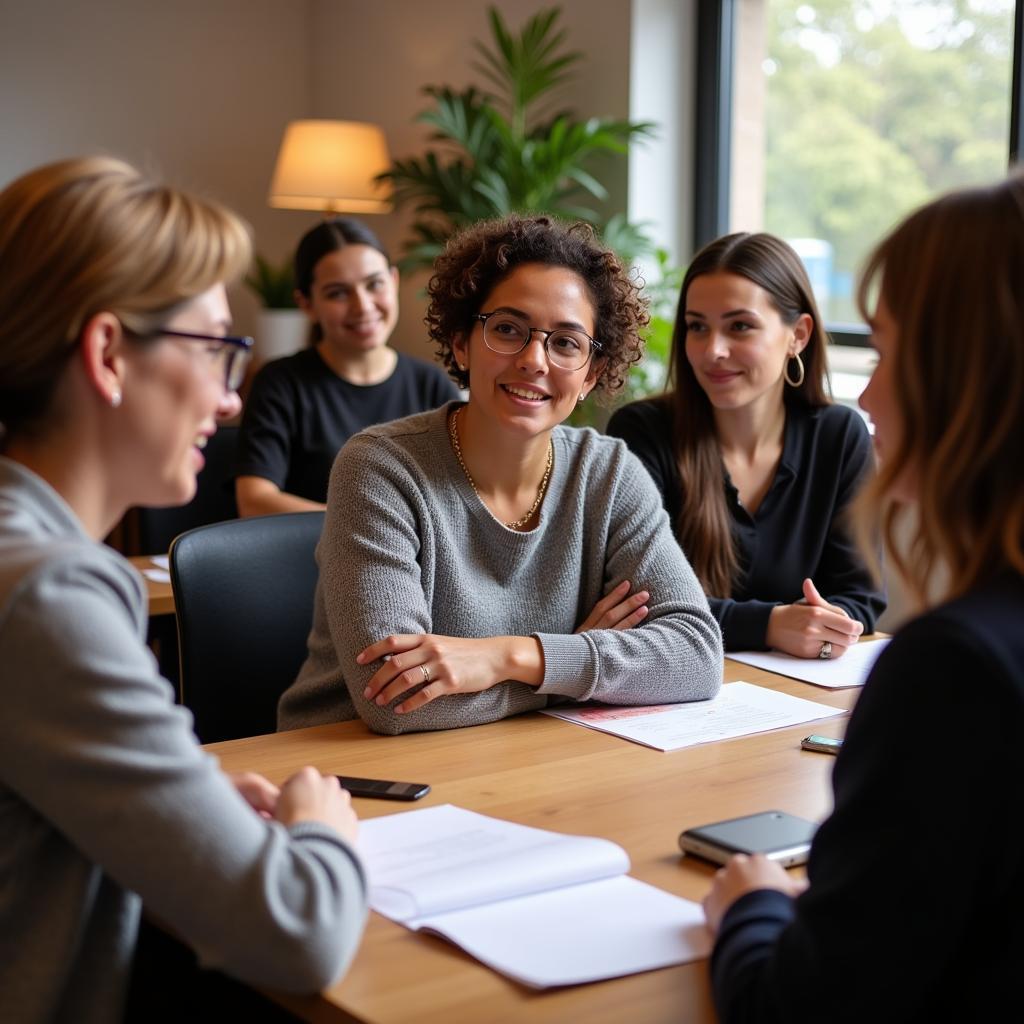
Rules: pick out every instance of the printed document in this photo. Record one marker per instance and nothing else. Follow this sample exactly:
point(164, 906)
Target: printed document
point(739, 710)
point(541, 907)
point(852, 669)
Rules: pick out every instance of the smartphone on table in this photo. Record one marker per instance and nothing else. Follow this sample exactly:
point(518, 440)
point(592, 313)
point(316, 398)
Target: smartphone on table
point(822, 744)
point(383, 789)
point(781, 837)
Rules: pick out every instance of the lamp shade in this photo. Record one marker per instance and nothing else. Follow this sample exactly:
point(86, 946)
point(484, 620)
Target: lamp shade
point(331, 166)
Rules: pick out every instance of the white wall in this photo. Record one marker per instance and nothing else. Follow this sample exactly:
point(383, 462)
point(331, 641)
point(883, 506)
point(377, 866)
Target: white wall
point(199, 91)
point(196, 90)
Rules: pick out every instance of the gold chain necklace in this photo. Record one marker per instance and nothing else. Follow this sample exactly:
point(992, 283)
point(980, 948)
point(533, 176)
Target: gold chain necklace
point(453, 433)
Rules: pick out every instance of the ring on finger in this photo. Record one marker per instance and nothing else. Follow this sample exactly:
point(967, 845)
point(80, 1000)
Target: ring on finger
point(426, 673)
point(826, 650)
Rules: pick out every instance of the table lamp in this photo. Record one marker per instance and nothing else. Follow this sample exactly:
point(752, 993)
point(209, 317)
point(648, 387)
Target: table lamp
point(331, 166)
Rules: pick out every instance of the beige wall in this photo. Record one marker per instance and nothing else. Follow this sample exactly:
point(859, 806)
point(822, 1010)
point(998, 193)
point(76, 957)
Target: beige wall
point(200, 90)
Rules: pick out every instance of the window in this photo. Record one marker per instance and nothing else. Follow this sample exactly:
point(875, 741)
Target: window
point(829, 120)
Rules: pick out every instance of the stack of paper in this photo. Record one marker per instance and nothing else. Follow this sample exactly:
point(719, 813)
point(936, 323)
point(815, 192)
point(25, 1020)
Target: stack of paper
point(739, 710)
point(541, 907)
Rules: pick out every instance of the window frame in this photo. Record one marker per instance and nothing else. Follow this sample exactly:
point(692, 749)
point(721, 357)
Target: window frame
point(716, 40)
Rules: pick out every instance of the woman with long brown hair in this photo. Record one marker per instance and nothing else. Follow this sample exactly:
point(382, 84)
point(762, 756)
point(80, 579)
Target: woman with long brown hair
point(755, 465)
point(917, 878)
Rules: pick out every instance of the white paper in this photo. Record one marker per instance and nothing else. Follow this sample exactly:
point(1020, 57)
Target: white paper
point(157, 575)
point(852, 669)
point(161, 561)
point(739, 710)
point(525, 901)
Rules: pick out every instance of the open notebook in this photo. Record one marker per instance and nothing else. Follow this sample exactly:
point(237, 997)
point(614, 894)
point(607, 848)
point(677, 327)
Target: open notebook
point(541, 907)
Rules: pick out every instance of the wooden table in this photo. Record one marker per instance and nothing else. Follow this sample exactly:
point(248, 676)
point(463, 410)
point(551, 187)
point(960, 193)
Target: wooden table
point(541, 771)
point(161, 597)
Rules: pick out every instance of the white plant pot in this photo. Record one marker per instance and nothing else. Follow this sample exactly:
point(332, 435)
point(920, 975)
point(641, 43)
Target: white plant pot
point(280, 332)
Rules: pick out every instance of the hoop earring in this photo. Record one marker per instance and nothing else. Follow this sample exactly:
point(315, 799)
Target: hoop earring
point(800, 366)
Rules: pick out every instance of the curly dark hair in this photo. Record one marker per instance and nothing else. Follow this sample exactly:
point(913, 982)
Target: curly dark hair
point(478, 258)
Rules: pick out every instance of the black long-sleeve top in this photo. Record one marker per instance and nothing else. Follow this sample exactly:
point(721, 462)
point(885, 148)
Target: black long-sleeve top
point(798, 530)
point(913, 913)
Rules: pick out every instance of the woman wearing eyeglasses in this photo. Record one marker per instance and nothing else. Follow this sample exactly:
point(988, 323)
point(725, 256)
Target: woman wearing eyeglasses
point(115, 366)
point(755, 464)
point(484, 560)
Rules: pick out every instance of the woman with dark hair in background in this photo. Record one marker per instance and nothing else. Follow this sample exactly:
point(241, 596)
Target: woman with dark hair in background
point(115, 365)
point(303, 408)
point(756, 467)
point(476, 558)
point(913, 913)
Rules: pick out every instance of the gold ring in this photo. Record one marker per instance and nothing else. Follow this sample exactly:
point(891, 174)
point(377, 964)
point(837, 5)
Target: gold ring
point(426, 673)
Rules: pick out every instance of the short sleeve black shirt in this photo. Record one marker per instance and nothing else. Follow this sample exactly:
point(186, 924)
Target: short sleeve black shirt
point(300, 412)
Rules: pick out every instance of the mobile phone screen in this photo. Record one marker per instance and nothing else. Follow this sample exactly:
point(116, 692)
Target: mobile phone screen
point(384, 789)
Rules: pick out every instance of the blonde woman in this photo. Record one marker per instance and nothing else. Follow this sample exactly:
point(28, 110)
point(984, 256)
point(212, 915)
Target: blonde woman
point(917, 878)
point(116, 362)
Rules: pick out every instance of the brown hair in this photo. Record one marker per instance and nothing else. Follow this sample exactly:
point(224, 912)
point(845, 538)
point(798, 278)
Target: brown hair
point(952, 277)
point(704, 526)
point(89, 235)
point(477, 259)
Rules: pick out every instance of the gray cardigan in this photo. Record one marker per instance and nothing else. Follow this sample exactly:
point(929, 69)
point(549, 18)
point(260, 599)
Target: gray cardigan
point(408, 547)
point(105, 794)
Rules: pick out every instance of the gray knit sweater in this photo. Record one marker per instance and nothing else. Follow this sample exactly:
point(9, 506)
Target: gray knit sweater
point(106, 797)
point(408, 547)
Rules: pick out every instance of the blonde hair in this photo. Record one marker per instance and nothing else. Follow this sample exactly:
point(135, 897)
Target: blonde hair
point(952, 277)
point(94, 235)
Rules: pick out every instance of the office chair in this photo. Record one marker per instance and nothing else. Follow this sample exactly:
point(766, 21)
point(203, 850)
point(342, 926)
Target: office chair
point(243, 591)
point(214, 499)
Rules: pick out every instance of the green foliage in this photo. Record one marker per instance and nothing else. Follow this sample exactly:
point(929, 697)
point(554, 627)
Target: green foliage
point(505, 151)
point(873, 108)
point(274, 284)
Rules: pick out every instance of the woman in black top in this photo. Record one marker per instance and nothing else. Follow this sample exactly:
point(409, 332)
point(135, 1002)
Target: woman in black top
point(303, 408)
point(917, 878)
point(755, 465)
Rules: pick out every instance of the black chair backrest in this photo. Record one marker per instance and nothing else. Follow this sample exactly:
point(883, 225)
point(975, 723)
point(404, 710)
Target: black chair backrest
point(243, 594)
point(214, 500)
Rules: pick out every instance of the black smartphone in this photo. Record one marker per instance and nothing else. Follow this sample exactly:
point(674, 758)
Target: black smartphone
point(779, 836)
point(382, 789)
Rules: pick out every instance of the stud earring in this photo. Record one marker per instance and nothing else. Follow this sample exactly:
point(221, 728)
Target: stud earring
point(579, 400)
point(115, 399)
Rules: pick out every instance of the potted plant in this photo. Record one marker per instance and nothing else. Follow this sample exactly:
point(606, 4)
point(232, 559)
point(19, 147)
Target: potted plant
point(282, 326)
point(502, 151)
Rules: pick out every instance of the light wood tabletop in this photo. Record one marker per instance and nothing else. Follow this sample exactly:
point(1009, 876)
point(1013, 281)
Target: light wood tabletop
point(161, 597)
point(540, 771)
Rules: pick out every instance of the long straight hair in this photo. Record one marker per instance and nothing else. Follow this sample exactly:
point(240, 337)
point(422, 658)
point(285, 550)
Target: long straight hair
point(704, 525)
point(952, 278)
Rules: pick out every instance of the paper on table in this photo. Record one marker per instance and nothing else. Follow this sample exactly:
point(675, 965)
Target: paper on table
point(161, 561)
point(542, 907)
point(852, 669)
point(157, 575)
point(739, 710)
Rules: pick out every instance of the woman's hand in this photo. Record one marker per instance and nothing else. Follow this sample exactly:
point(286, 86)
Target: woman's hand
point(259, 793)
point(800, 629)
point(443, 665)
point(310, 796)
point(618, 609)
point(741, 875)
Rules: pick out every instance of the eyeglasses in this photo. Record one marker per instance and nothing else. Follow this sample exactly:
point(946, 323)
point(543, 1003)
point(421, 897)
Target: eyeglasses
point(508, 334)
point(230, 351)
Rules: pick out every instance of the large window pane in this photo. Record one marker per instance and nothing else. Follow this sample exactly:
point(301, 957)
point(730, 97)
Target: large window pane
point(849, 113)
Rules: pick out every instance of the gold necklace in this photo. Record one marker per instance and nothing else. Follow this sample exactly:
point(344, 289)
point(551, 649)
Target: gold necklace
point(453, 433)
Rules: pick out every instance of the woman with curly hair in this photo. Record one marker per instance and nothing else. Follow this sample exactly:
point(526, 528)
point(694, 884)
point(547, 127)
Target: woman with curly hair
point(756, 466)
point(483, 560)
